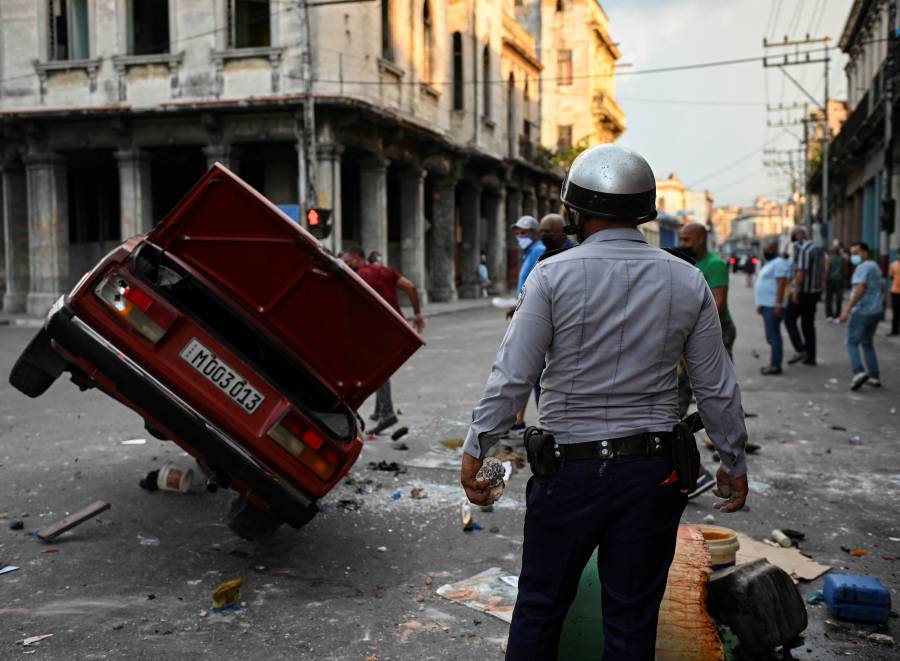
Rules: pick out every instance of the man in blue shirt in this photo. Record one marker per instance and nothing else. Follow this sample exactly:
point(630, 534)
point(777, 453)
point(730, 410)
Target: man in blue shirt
point(527, 231)
point(771, 286)
point(863, 312)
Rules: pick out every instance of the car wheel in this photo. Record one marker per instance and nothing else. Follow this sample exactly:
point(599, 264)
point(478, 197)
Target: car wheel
point(38, 366)
point(250, 522)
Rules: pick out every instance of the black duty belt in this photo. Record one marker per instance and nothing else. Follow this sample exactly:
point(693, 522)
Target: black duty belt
point(647, 445)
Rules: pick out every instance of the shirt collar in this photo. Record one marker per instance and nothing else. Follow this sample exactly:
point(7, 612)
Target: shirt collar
point(616, 234)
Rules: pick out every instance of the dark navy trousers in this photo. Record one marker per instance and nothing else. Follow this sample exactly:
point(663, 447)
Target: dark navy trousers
point(619, 507)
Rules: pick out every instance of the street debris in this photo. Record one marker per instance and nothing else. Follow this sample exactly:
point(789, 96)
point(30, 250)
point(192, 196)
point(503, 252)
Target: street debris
point(838, 427)
point(858, 553)
point(49, 551)
point(418, 492)
point(468, 522)
point(855, 440)
point(17, 525)
point(857, 598)
point(382, 549)
point(485, 592)
point(54, 530)
point(781, 538)
point(880, 638)
point(760, 604)
point(493, 471)
point(399, 433)
point(150, 481)
point(452, 443)
point(388, 467)
point(815, 597)
point(35, 639)
point(397, 495)
point(8, 569)
point(350, 504)
point(399, 446)
point(173, 477)
point(227, 594)
point(135, 441)
point(147, 541)
point(790, 560)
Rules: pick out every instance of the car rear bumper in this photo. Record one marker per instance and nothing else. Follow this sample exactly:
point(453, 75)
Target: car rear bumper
point(156, 401)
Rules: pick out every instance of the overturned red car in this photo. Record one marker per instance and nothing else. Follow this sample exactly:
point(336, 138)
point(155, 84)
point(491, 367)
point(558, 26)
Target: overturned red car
point(235, 335)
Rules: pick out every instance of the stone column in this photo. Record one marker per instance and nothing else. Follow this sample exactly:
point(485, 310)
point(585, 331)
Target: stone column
point(225, 154)
point(495, 219)
point(513, 256)
point(135, 192)
point(328, 189)
point(48, 230)
point(15, 233)
point(470, 220)
point(412, 210)
point(528, 202)
point(443, 266)
point(543, 207)
point(373, 210)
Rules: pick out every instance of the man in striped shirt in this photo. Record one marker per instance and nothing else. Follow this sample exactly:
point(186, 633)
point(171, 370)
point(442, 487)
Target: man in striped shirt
point(809, 269)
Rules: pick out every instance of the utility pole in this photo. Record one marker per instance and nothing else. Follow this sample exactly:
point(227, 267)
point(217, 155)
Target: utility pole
point(306, 184)
point(796, 57)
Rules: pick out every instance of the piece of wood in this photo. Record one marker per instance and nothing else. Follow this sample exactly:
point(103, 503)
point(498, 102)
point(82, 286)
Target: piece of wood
point(56, 529)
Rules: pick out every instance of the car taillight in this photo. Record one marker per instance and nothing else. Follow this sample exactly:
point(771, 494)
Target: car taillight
point(754, 260)
point(136, 307)
point(733, 260)
point(305, 445)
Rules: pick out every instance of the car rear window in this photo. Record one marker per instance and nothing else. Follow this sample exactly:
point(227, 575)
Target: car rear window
point(245, 338)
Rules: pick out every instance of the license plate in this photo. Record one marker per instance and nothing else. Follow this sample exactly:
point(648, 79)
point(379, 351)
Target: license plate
point(222, 376)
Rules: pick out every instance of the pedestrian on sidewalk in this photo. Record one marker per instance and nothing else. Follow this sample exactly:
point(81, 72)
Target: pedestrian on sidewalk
point(527, 232)
point(750, 270)
point(895, 296)
point(484, 276)
point(386, 281)
point(809, 268)
point(553, 234)
point(771, 287)
point(836, 274)
point(863, 312)
point(609, 319)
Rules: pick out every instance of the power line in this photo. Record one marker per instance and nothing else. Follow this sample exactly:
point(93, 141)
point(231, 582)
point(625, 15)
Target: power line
point(691, 102)
point(738, 161)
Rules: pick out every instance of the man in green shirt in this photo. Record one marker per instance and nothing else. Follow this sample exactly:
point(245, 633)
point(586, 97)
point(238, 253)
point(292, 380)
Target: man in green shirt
point(692, 241)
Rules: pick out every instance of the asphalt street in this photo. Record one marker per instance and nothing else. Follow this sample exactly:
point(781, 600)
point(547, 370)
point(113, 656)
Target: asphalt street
point(360, 581)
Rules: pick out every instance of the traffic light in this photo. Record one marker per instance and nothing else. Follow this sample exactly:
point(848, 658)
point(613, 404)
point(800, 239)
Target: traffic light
point(318, 221)
point(888, 208)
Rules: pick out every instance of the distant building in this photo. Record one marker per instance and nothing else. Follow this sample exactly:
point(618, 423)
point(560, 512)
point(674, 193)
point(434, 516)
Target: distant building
point(674, 198)
point(766, 218)
point(428, 116)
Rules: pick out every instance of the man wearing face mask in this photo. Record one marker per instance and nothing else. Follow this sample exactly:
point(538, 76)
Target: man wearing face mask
point(553, 234)
point(863, 311)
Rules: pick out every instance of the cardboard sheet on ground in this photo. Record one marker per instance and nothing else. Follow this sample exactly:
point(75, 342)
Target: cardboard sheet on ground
point(486, 592)
point(790, 560)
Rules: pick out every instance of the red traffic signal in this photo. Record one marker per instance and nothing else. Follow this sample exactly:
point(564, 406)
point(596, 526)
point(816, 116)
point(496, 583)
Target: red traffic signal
point(318, 222)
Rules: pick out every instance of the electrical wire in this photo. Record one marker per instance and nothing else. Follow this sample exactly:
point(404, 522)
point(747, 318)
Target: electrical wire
point(726, 168)
point(690, 102)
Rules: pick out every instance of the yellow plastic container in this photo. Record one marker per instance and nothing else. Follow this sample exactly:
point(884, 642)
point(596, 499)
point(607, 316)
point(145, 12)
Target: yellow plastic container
point(723, 545)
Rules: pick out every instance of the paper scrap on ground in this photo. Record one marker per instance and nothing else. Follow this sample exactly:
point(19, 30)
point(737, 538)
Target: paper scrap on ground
point(790, 560)
point(35, 639)
point(135, 441)
point(486, 592)
point(7, 569)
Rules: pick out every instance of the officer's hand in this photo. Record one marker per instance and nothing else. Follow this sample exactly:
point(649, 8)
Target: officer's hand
point(477, 491)
point(732, 489)
point(510, 312)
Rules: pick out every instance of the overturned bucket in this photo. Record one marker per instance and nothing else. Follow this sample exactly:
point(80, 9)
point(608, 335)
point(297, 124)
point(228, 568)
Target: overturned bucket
point(723, 545)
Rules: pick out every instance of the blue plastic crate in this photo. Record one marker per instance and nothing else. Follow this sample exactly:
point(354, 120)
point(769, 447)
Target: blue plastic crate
point(857, 598)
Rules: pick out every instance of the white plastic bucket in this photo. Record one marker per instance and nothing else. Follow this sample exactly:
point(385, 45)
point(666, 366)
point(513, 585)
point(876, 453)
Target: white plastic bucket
point(175, 478)
point(723, 545)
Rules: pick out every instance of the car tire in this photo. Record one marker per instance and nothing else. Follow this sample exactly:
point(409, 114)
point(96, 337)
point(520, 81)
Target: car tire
point(38, 366)
point(250, 522)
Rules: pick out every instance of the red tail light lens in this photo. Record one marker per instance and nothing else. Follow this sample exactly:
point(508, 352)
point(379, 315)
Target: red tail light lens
point(148, 318)
point(305, 445)
point(755, 261)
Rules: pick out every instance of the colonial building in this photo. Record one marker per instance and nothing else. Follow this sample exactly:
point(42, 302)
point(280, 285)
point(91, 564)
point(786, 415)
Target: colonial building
point(858, 180)
point(417, 123)
point(676, 199)
point(766, 218)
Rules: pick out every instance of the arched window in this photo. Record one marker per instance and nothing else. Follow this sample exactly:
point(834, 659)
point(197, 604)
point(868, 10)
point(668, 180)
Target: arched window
point(486, 78)
point(458, 100)
point(387, 47)
point(427, 43)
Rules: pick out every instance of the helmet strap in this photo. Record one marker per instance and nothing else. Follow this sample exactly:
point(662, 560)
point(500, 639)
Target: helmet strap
point(574, 226)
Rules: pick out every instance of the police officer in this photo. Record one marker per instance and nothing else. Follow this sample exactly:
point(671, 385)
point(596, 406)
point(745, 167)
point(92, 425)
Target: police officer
point(610, 317)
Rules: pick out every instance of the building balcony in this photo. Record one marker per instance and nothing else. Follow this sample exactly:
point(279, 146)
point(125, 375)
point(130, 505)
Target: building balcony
point(608, 113)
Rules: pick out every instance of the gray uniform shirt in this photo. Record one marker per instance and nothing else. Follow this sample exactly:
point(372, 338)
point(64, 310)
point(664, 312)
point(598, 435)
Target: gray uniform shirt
point(611, 318)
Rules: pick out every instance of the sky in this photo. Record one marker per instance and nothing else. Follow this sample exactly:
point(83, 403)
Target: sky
point(709, 125)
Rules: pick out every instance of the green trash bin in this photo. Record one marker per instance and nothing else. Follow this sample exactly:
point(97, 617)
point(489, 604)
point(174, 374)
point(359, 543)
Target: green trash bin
point(582, 633)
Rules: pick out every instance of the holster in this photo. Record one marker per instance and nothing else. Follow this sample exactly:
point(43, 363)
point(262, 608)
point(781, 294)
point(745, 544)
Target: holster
point(541, 450)
point(685, 456)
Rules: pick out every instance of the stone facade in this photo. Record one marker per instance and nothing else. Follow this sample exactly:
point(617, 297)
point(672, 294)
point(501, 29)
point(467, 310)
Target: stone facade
point(426, 117)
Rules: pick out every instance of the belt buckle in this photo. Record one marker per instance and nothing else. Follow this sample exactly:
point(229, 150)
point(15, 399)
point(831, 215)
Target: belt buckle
point(654, 444)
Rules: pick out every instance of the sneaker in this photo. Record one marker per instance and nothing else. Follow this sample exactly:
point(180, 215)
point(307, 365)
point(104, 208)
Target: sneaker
point(389, 421)
point(875, 383)
point(705, 482)
point(829, 319)
point(809, 361)
point(858, 380)
point(770, 371)
point(796, 358)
